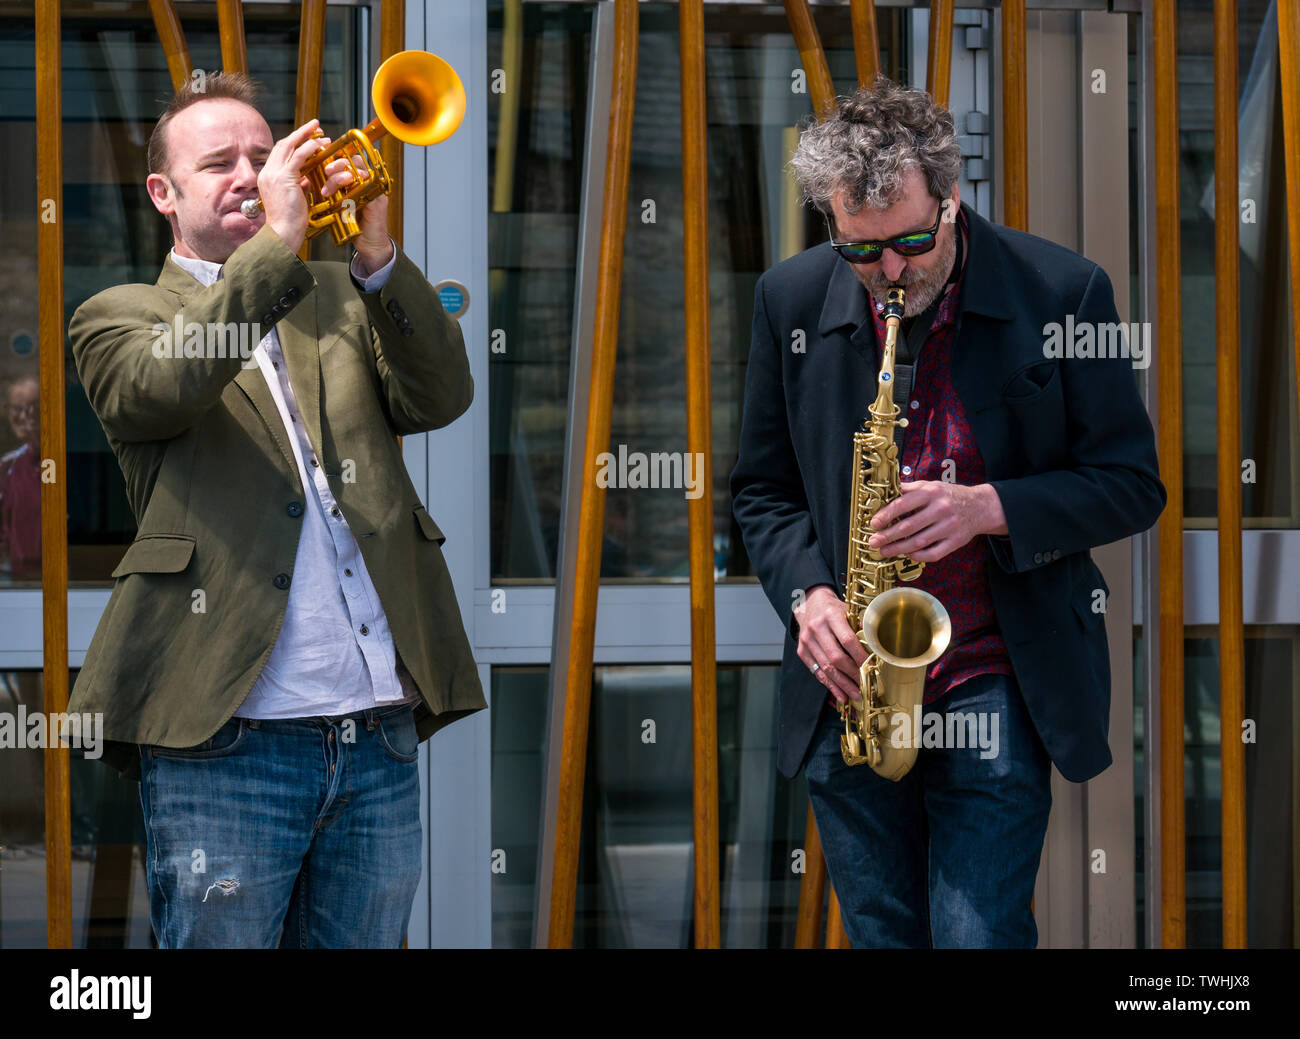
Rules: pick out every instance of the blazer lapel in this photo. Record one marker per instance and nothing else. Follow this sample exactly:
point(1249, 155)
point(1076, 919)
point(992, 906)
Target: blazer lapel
point(250, 380)
point(300, 341)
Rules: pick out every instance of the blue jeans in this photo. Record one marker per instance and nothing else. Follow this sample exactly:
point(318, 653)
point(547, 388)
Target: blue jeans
point(947, 856)
point(297, 833)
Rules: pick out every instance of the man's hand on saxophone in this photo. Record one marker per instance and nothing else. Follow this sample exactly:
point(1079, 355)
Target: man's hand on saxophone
point(827, 641)
point(932, 519)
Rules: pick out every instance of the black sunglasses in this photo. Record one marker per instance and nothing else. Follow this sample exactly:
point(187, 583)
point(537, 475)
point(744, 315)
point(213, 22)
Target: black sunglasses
point(917, 243)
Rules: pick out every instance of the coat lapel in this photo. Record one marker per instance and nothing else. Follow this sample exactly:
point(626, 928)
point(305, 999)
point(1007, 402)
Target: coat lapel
point(250, 380)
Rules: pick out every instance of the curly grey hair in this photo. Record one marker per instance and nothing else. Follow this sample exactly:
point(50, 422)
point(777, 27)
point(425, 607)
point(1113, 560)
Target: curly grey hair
point(870, 142)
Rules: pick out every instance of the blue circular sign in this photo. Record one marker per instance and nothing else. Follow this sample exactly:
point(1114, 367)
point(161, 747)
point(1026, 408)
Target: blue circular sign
point(453, 296)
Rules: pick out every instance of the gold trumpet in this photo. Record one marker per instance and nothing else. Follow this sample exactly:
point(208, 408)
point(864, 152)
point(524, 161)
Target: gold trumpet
point(418, 99)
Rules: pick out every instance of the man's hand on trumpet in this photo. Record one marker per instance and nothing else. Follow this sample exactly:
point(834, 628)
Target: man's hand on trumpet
point(281, 183)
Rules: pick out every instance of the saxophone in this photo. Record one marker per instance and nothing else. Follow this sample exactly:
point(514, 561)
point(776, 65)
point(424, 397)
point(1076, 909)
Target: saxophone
point(902, 629)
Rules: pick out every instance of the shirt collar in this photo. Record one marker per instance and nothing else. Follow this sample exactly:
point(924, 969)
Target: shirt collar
point(205, 272)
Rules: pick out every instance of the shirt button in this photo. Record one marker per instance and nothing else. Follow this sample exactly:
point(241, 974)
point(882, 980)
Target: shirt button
point(294, 509)
point(314, 462)
point(334, 512)
point(275, 365)
point(365, 630)
point(907, 470)
point(915, 404)
point(347, 571)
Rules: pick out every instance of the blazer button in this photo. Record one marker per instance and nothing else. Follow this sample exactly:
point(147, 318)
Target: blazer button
point(281, 581)
point(285, 302)
point(268, 320)
point(1056, 554)
point(1038, 557)
point(408, 331)
point(393, 308)
point(294, 509)
point(293, 294)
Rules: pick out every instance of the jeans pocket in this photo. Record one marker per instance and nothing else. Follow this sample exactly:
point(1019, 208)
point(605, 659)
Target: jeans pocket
point(218, 745)
point(398, 737)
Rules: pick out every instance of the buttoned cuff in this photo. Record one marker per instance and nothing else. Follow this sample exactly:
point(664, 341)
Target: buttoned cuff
point(377, 280)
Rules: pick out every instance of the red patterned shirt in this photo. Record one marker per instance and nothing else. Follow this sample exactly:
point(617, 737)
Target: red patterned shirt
point(938, 445)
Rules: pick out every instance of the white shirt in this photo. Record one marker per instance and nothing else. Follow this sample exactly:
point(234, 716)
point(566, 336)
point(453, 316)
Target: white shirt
point(335, 652)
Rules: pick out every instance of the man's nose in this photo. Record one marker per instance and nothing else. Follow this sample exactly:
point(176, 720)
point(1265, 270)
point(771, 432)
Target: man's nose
point(245, 172)
point(892, 264)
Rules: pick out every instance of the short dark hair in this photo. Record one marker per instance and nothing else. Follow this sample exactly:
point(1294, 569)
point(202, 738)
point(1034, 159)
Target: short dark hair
point(231, 86)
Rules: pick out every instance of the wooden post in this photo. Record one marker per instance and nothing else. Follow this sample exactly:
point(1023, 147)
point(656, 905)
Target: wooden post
point(1288, 31)
point(815, 70)
point(938, 64)
point(230, 24)
point(812, 888)
point(866, 47)
point(168, 24)
point(1015, 119)
point(54, 469)
point(699, 444)
point(1169, 446)
point(591, 515)
point(1232, 650)
point(311, 46)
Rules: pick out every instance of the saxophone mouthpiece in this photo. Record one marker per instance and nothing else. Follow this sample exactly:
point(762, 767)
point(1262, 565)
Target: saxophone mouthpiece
point(894, 303)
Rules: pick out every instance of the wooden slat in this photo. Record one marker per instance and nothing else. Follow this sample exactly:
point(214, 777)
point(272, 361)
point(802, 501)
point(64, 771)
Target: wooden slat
point(54, 492)
point(699, 444)
point(311, 48)
point(866, 47)
point(392, 38)
point(938, 64)
point(812, 888)
point(591, 512)
point(1288, 28)
point(816, 72)
point(835, 936)
point(172, 37)
point(1232, 650)
point(230, 25)
point(1169, 445)
point(1015, 118)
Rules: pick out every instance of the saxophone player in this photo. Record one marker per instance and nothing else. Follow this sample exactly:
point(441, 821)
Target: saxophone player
point(1013, 464)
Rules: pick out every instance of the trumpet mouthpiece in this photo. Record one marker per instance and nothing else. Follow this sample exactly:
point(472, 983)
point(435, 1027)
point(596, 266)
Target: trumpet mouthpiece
point(250, 207)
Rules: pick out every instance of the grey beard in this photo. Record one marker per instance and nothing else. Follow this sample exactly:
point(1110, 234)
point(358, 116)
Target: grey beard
point(924, 290)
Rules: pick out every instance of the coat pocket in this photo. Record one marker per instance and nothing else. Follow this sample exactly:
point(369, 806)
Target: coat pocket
point(427, 527)
point(157, 554)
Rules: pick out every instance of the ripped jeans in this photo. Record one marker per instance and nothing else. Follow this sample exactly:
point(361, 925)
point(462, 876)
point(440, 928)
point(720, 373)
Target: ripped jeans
point(294, 833)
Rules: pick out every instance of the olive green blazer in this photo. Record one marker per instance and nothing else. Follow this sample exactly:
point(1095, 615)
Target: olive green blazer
point(212, 481)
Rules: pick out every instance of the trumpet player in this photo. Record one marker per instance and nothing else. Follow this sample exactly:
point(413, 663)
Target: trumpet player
point(283, 631)
point(1013, 464)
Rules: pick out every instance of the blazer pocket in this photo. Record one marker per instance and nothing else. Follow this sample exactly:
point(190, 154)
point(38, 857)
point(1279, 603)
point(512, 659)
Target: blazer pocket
point(427, 527)
point(1031, 382)
point(157, 554)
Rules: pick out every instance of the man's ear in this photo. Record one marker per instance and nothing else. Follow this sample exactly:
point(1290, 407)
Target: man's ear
point(162, 193)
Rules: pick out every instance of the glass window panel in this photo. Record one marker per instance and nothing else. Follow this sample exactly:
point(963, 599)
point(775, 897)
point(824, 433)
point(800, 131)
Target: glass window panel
point(110, 903)
point(536, 135)
point(1271, 489)
point(115, 81)
point(753, 222)
point(635, 873)
point(1272, 684)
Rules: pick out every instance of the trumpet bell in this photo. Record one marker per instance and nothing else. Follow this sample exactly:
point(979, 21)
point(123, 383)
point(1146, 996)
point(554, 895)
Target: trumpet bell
point(418, 97)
